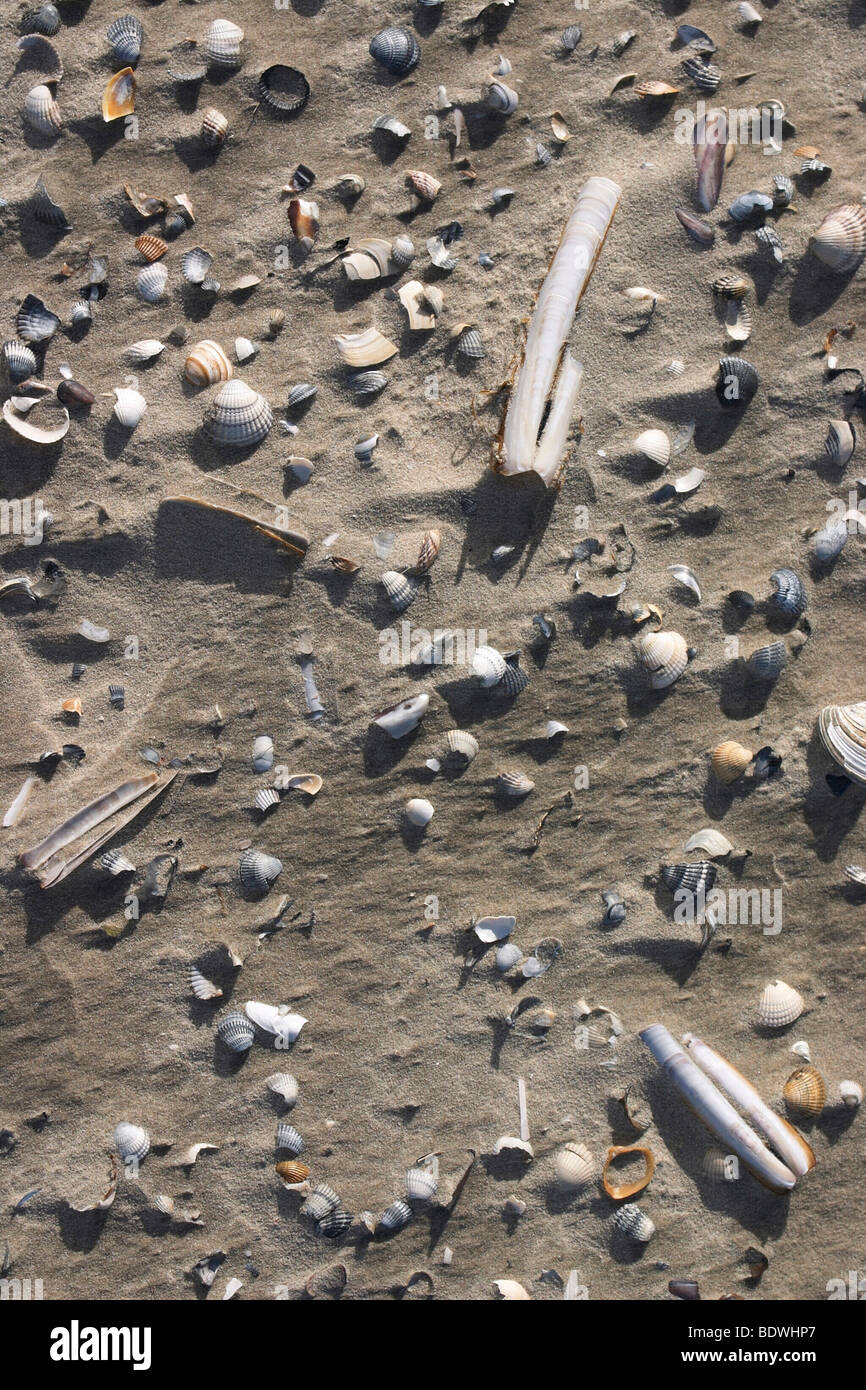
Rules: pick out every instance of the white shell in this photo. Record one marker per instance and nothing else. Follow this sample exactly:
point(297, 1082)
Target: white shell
point(654, 445)
point(851, 1093)
point(401, 719)
point(631, 1221)
point(365, 349)
point(510, 1290)
point(238, 416)
point(665, 655)
point(245, 349)
point(207, 363)
point(41, 110)
point(574, 1166)
point(418, 811)
point(711, 841)
point(420, 1185)
point(283, 1084)
point(283, 1025)
point(507, 957)
point(131, 1141)
point(685, 576)
point(129, 406)
point(202, 987)
point(152, 281)
point(145, 350)
point(489, 929)
point(780, 1005)
point(460, 744)
point(488, 665)
point(554, 727)
point(263, 753)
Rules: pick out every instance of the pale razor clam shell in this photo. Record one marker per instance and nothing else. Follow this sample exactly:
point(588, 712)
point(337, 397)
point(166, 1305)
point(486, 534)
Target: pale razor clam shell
point(86, 819)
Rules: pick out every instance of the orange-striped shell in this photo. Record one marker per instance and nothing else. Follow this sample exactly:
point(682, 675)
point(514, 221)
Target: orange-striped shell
point(207, 363)
point(292, 1172)
point(805, 1092)
point(151, 247)
point(730, 760)
point(424, 184)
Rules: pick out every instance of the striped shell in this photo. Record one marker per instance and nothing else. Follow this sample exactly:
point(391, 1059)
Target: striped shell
point(730, 286)
point(202, 987)
point(488, 665)
point(153, 248)
point(574, 1166)
point(187, 63)
point(335, 1224)
point(284, 1085)
point(44, 208)
point(284, 89)
point(655, 446)
point(843, 733)
point(45, 19)
point(195, 264)
point(767, 663)
point(398, 1215)
point(840, 441)
point(514, 678)
point(470, 344)
point(223, 44)
point(365, 349)
point(258, 871)
point(290, 1139)
point(238, 417)
point(805, 1092)
point(301, 394)
point(711, 841)
point(730, 760)
point(41, 110)
point(421, 1185)
point(514, 784)
point(266, 798)
point(423, 184)
point(840, 241)
point(20, 360)
point(632, 1222)
point(717, 1166)
point(780, 1005)
point(214, 128)
point(460, 746)
point(400, 590)
point(131, 1142)
point(293, 1171)
point(501, 98)
point(402, 253)
point(319, 1202)
point(790, 596)
point(368, 383)
point(206, 364)
point(738, 381)
point(706, 76)
point(42, 55)
point(396, 49)
point(664, 655)
point(236, 1031)
point(124, 37)
point(151, 282)
point(34, 322)
point(428, 552)
point(689, 878)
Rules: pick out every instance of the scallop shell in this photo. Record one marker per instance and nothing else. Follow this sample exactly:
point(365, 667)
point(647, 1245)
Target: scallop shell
point(396, 49)
point(129, 406)
point(290, 1139)
point(738, 381)
point(35, 323)
point(654, 445)
point(421, 1185)
point(418, 811)
point(41, 110)
point(214, 128)
point(284, 89)
point(501, 98)
point(840, 441)
point(45, 19)
point(236, 1031)
point(395, 1217)
point(767, 663)
point(118, 99)
point(790, 596)
point(689, 878)
point(514, 784)
point(292, 1172)
point(630, 1221)
point(460, 746)
point(195, 264)
point(238, 416)
point(574, 1166)
point(206, 364)
point(258, 871)
point(151, 282)
point(20, 360)
point(840, 241)
point(730, 760)
point(124, 37)
point(131, 1142)
point(843, 733)
point(365, 349)
point(805, 1092)
point(400, 590)
point(153, 248)
point(401, 719)
point(488, 665)
point(284, 1085)
point(780, 1005)
point(664, 655)
point(223, 44)
point(426, 187)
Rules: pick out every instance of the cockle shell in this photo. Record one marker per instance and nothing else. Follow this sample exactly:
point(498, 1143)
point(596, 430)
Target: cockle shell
point(780, 1005)
point(396, 49)
point(664, 655)
point(840, 442)
point(45, 19)
point(395, 1217)
point(511, 1291)
point(292, 1172)
point(214, 128)
point(129, 406)
point(401, 719)
point(460, 746)
point(131, 1142)
point(843, 732)
point(689, 878)
point(202, 987)
point(258, 871)
point(717, 1166)
point(840, 241)
point(236, 1031)
point(418, 811)
point(790, 596)
point(488, 665)
point(284, 90)
point(421, 1185)
point(426, 187)
point(263, 753)
point(805, 1092)
point(738, 381)
point(469, 342)
point(41, 110)
point(851, 1094)
point(34, 322)
point(730, 760)
point(125, 36)
point(118, 99)
point(238, 416)
point(489, 929)
point(284, 1085)
point(223, 44)
point(514, 784)
point(319, 1202)
point(631, 1221)
point(151, 282)
point(400, 590)
point(766, 663)
point(654, 445)
point(290, 1139)
point(265, 798)
point(206, 364)
point(20, 360)
point(195, 264)
point(574, 1166)
point(365, 349)
point(151, 247)
point(44, 208)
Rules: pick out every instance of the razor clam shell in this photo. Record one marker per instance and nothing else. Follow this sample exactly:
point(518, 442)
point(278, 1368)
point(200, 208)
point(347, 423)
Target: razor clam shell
point(118, 98)
point(396, 49)
point(81, 822)
point(697, 229)
point(709, 161)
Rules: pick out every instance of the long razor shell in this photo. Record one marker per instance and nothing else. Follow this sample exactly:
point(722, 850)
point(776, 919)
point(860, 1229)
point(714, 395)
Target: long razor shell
point(85, 819)
point(710, 158)
point(784, 1138)
point(717, 1113)
point(548, 455)
point(59, 867)
point(555, 308)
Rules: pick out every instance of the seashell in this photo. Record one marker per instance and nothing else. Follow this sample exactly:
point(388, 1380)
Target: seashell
point(689, 878)
point(439, 254)
point(488, 665)
point(831, 539)
point(421, 1185)
point(91, 632)
point(664, 655)
point(711, 841)
point(151, 247)
point(697, 229)
point(507, 957)
point(856, 875)
point(335, 1224)
point(514, 784)
point(738, 321)
point(614, 909)
point(365, 448)
point(118, 99)
point(514, 678)
point(840, 241)
point(469, 343)
point(45, 19)
point(245, 349)
point(717, 1166)
point(650, 87)
point(730, 760)
point(622, 41)
point(570, 37)
point(129, 406)
point(511, 1291)
point(574, 1166)
point(428, 552)
point(423, 304)
point(124, 37)
point(706, 76)
point(401, 719)
point(41, 110)
point(368, 383)
point(392, 127)
point(426, 187)
point(654, 445)
point(320, 1201)
point(768, 237)
point(284, 1085)
point(223, 44)
point(790, 596)
point(554, 727)
point(400, 590)
point(748, 15)
point(44, 208)
point(187, 63)
point(460, 746)
point(238, 417)
point(131, 1142)
point(780, 1005)
point(627, 1189)
point(266, 798)
point(418, 811)
point(310, 783)
point(151, 282)
point(767, 663)
point(289, 1139)
point(258, 871)
point(115, 862)
point(630, 1221)
point(730, 286)
point(304, 220)
point(201, 987)
point(43, 56)
point(501, 197)
point(236, 1031)
point(843, 733)
point(840, 442)
point(851, 1093)
point(402, 254)
point(683, 575)
point(284, 1026)
point(81, 311)
point(501, 98)
point(543, 156)
point(365, 349)
point(560, 130)
point(783, 190)
point(206, 364)
point(350, 185)
point(263, 753)
point(35, 323)
point(490, 929)
point(744, 207)
point(395, 1217)
point(738, 381)
point(284, 89)
point(214, 128)
point(292, 1172)
point(396, 49)
point(20, 360)
point(195, 264)
point(805, 1093)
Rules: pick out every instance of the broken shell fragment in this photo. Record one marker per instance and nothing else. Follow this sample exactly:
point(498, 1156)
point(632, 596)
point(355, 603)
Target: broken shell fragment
point(840, 441)
point(365, 349)
point(574, 1166)
point(401, 719)
point(423, 304)
point(501, 98)
point(780, 1005)
point(627, 1189)
point(201, 987)
point(304, 220)
point(118, 99)
point(766, 663)
point(56, 426)
point(489, 929)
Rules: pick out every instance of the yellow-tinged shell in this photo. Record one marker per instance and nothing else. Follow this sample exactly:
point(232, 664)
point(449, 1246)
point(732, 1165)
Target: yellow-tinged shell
point(665, 655)
point(118, 99)
point(207, 363)
point(574, 1166)
point(151, 247)
point(428, 552)
point(730, 760)
point(292, 1172)
point(627, 1189)
point(805, 1092)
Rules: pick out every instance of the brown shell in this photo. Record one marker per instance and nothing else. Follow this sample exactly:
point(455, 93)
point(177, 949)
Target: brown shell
point(730, 760)
point(294, 1171)
point(118, 99)
point(344, 564)
point(805, 1092)
point(651, 88)
point(627, 1189)
point(428, 552)
point(423, 184)
point(151, 247)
